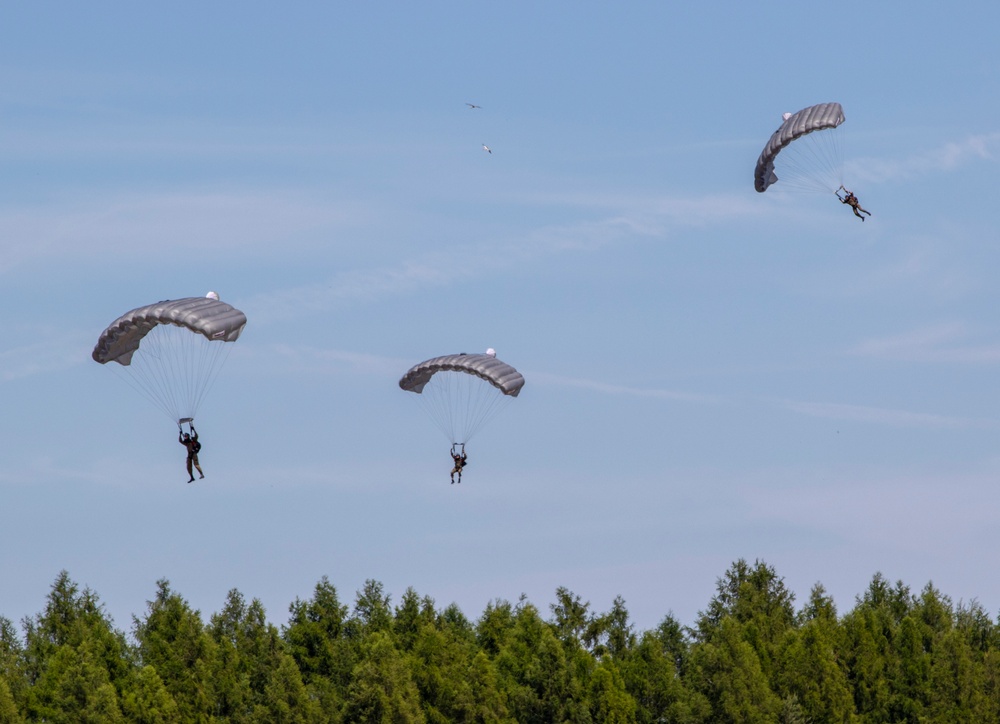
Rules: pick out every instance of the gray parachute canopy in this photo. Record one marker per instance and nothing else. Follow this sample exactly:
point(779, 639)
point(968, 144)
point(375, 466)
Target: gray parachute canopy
point(485, 366)
point(814, 118)
point(209, 317)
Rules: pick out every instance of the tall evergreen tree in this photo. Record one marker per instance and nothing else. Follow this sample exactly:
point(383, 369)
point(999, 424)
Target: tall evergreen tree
point(149, 702)
point(878, 676)
point(811, 669)
point(411, 615)
point(316, 639)
point(653, 678)
point(71, 616)
point(726, 670)
point(371, 608)
point(535, 674)
point(610, 702)
point(494, 626)
point(756, 597)
point(74, 687)
point(172, 639)
point(9, 713)
point(11, 670)
point(76, 662)
point(382, 690)
point(570, 617)
point(255, 679)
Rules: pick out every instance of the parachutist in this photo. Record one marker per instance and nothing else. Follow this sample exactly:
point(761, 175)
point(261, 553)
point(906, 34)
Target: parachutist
point(193, 448)
point(461, 392)
point(852, 201)
point(460, 462)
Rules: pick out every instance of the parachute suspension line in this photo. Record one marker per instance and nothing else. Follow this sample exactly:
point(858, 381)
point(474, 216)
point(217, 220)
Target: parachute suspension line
point(480, 402)
point(460, 404)
point(211, 360)
point(813, 162)
point(485, 402)
point(174, 368)
point(145, 385)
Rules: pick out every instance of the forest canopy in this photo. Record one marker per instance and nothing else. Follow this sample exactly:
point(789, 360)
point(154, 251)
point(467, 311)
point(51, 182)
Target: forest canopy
point(751, 655)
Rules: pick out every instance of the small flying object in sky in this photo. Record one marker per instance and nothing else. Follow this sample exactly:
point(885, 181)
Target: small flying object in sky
point(487, 148)
point(472, 105)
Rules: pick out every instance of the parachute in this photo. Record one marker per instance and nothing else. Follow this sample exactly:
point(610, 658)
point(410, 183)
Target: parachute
point(172, 351)
point(810, 148)
point(462, 392)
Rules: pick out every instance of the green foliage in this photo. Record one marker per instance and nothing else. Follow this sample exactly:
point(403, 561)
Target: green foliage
point(727, 671)
point(610, 703)
point(810, 670)
point(74, 660)
point(13, 683)
point(895, 656)
point(254, 677)
point(494, 626)
point(534, 670)
point(8, 707)
point(173, 642)
point(316, 639)
point(757, 599)
point(149, 702)
point(382, 689)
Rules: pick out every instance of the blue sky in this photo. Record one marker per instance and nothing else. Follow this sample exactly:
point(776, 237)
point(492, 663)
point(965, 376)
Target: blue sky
point(712, 373)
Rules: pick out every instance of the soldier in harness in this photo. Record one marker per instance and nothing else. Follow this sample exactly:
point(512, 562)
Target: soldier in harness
point(852, 201)
point(459, 457)
point(190, 441)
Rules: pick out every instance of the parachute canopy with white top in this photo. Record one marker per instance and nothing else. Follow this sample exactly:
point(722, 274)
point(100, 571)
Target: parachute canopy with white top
point(171, 351)
point(810, 149)
point(461, 392)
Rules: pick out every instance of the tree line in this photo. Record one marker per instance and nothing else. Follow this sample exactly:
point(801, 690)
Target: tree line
point(896, 656)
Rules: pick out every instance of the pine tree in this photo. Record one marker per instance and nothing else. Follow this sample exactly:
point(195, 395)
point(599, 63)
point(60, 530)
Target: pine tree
point(14, 682)
point(811, 670)
point(172, 639)
point(255, 679)
point(76, 663)
point(726, 670)
point(535, 674)
point(382, 689)
point(148, 701)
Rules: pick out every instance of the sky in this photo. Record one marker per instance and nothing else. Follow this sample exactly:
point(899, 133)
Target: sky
point(711, 373)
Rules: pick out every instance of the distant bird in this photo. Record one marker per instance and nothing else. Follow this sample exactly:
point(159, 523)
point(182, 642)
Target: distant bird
point(472, 105)
point(487, 148)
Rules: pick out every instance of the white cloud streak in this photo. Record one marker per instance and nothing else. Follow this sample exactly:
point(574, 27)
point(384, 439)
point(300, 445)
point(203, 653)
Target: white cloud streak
point(941, 343)
point(654, 218)
point(51, 354)
point(606, 388)
point(133, 225)
point(950, 156)
point(882, 416)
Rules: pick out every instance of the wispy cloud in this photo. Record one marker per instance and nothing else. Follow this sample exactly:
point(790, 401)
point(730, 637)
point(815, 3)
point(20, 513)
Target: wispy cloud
point(881, 415)
point(333, 361)
point(948, 157)
point(948, 342)
point(606, 388)
point(654, 218)
point(440, 268)
point(336, 361)
point(43, 356)
point(206, 223)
